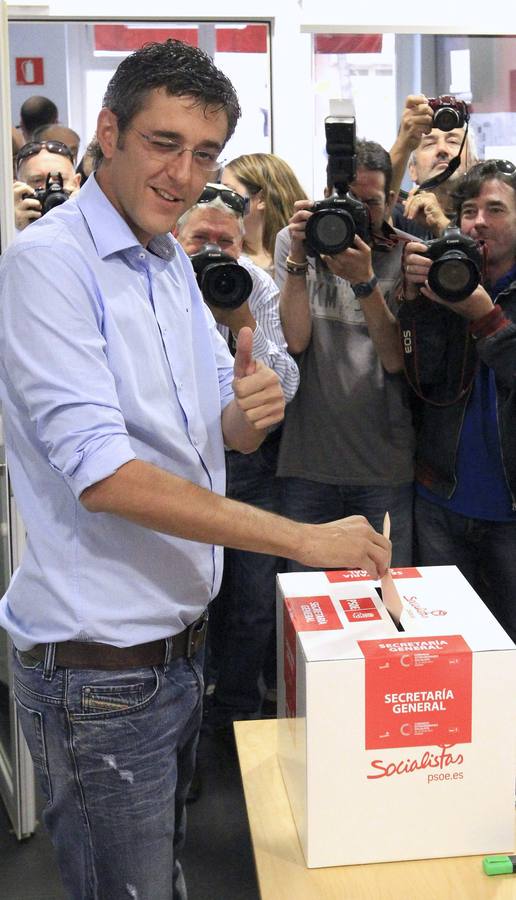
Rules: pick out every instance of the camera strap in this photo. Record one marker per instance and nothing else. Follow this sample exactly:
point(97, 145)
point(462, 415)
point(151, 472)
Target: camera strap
point(452, 167)
point(458, 373)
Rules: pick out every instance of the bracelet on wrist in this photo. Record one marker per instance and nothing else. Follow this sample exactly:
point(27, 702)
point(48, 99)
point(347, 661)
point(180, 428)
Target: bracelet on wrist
point(296, 268)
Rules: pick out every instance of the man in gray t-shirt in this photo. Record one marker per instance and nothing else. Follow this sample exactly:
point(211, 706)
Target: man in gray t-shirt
point(347, 444)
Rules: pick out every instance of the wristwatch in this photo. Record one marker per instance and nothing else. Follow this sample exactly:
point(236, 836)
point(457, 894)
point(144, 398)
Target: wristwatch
point(364, 288)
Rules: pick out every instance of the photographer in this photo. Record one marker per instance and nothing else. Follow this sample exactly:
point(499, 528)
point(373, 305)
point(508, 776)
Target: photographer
point(347, 441)
point(427, 150)
point(35, 162)
point(243, 617)
point(460, 358)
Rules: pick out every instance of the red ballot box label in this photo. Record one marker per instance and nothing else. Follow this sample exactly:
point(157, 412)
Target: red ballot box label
point(346, 575)
point(360, 609)
point(417, 691)
point(313, 613)
point(303, 614)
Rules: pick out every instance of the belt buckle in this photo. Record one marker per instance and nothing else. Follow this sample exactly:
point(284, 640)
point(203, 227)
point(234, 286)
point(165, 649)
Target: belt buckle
point(195, 634)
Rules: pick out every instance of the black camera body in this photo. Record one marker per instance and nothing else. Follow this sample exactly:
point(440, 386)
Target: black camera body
point(334, 222)
point(449, 113)
point(53, 194)
point(223, 282)
point(457, 265)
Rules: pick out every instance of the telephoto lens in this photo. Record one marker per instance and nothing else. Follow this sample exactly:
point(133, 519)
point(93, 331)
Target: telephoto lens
point(223, 282)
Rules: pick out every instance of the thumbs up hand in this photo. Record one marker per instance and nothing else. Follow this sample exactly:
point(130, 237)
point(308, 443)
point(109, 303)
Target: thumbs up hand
point(257, 389)
point(244, 362)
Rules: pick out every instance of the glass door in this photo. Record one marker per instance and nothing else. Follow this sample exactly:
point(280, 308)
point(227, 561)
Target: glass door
point(16, 769)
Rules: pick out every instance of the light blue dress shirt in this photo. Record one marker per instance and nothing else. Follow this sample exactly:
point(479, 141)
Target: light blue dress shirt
point(107, 354)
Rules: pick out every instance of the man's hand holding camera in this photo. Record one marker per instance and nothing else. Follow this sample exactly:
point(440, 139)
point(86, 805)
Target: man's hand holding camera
point(297, 229)
point(353, 264)
point(425, 208)
point(416, 120)
point(31, 204)
point(416, 268)
point(26, 208)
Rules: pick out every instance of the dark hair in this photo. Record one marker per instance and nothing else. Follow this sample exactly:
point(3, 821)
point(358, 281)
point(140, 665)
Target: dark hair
point(36, 111)
point(471, 182)
point(183, 70)
point(373, 157)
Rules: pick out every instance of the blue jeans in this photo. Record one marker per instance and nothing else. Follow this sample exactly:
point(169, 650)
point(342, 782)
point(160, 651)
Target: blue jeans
point(114, 752)
point(243, 617)
point(314, 502)
point(484, 551)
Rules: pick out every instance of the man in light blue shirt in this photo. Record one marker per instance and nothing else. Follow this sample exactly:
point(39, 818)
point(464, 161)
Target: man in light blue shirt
point(118, 398)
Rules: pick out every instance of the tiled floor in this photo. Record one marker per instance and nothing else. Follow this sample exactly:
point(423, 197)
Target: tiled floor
point(217, 859)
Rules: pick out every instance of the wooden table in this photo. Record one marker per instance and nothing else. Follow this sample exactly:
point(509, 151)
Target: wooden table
point(282, 874)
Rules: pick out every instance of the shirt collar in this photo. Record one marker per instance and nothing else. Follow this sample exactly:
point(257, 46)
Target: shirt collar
point(110, 233)
point(386, 239)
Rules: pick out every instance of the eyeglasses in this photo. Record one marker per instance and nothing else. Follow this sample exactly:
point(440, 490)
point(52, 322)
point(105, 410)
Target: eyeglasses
point(34, 147)
point(237, 202)
point(164, 148)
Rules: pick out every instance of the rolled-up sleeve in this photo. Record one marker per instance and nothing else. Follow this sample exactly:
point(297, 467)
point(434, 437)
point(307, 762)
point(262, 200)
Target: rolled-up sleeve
point(55, 364)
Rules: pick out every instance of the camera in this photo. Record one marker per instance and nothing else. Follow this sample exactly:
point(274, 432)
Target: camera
point(53, 194)
point(457, 264)
point(448, 112)
point(223, 282)
point(334, 222)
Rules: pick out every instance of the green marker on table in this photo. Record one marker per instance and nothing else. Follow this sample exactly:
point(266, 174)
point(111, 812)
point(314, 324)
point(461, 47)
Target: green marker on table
point(499, 865)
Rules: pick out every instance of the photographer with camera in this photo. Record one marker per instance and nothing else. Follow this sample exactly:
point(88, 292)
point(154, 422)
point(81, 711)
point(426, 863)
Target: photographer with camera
point(45, 178)
point(347, 440)
point(460, 354)
point(435, 144)
point(243, 616)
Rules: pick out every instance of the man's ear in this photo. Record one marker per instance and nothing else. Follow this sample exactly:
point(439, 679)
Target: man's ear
point(107, 132)
point(389, 203)
point(411, 169)
point(76, 180)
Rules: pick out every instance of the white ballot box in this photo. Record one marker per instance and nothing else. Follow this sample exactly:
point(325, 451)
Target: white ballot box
point(395, 742)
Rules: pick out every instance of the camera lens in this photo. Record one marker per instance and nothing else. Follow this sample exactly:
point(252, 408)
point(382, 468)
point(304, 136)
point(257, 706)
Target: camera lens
point(330, 231)
point(226, 284)
point(454, 276)
point(447, 118)
point(54, 198)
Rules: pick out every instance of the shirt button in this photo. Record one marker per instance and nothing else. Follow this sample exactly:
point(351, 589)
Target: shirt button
point(141, 255)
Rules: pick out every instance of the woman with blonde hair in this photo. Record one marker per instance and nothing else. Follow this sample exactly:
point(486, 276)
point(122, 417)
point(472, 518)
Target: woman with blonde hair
point(272, 188)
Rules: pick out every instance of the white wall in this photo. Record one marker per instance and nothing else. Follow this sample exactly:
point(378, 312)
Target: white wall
point(47, 41)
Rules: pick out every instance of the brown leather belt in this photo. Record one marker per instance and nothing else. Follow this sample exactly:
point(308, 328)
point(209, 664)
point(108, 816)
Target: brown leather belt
point(90, 655)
